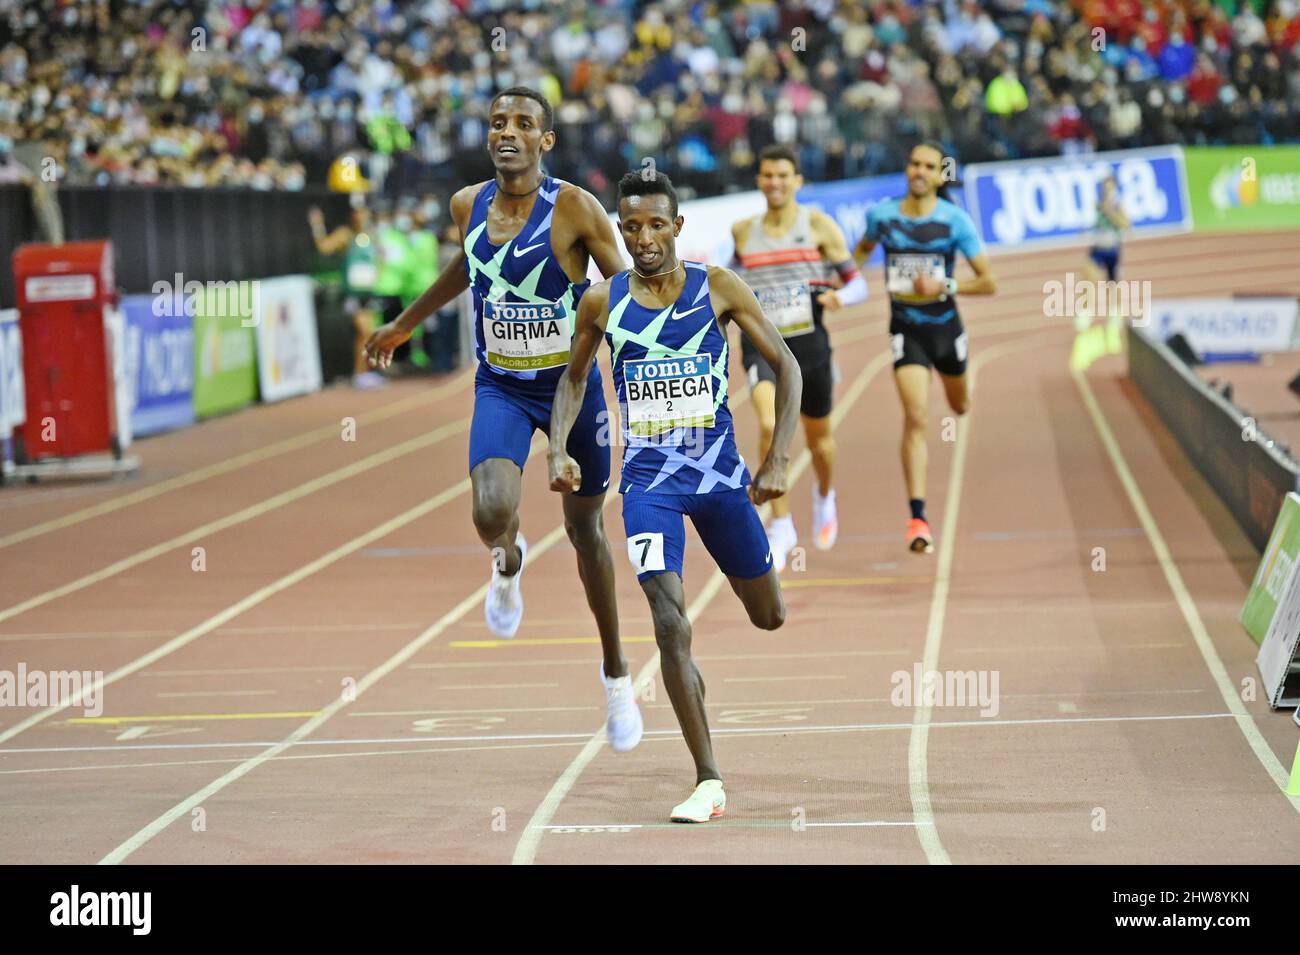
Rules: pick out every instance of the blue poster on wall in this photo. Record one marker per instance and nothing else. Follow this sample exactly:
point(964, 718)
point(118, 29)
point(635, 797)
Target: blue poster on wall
point(1055, 199)
point(160, 365)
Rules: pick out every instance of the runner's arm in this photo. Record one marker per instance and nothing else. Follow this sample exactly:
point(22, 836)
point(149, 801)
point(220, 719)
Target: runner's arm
point(983, 283)
point(835, 250)
point(733, 299)
point(738, 232)
point(862, 251)
point(598, 236)
point(333, 243)
point(572, 387)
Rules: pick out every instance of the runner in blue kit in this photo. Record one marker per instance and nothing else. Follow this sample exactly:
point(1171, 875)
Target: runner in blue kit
point(922, 234)
point(527, 239)
point(664, 321)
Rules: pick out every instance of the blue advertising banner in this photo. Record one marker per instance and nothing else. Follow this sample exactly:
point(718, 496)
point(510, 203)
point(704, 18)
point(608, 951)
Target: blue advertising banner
point(13, 400)
point(160, 365)
point(1055, 200)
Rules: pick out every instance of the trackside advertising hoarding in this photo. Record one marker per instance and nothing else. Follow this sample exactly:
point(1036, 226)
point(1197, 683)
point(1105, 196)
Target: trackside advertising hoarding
point(1235, 188)
point(288, 349)
point(225, 349)
point(1054, 200)
point(13, 393)
point(159, 364)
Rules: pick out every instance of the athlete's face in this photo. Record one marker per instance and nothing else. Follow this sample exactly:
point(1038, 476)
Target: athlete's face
point(649, 231)
point(778, 181)
point(516, 139)
point(924, 171)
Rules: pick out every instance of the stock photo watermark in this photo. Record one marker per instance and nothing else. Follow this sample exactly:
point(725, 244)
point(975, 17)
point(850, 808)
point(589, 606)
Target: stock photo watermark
point(24, 687)
point(947, 688)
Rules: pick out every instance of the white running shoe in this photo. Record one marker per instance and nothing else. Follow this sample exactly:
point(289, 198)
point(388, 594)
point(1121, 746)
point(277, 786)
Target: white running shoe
point(504, 605)
point(826, 524)
point(707, 802)
point(623, 717)
point(781, 539)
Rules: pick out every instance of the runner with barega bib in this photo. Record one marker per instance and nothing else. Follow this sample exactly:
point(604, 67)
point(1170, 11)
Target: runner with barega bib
point(797, 262)
point(665, 322)
point(526, 241)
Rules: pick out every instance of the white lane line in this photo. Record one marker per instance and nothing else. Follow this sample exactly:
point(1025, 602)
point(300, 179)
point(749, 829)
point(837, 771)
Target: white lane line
point(918, 778)
point(493, 686)
point(1245, 722)
point(191, 693)
point(292, 756)
point(668, 734)
point(526, 849)
point(255, 456)
point(242, 671)
point(402, 656)
point(708, 656)
point(854, 825)
point(247, 603)
point(777, 679)
point(135, 842)
point(241, 516)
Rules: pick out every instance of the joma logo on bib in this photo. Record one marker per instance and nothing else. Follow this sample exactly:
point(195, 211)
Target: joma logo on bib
point(524, 336)
point(668, 393)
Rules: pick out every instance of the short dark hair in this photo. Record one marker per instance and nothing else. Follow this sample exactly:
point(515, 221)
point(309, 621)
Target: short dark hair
point(643, 182)
point(548, 113)
point(776, 152)
point(943, 191)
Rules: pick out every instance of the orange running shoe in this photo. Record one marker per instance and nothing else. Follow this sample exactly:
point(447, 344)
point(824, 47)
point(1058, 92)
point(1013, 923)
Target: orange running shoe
point(919, 538)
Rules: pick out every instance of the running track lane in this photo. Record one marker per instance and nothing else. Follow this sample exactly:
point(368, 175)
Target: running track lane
point(433, 811)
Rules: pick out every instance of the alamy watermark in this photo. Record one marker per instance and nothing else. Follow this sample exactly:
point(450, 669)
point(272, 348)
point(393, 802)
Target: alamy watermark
point(959, 688)
point(23, 687)
point(1126, 298)
point(242, 300)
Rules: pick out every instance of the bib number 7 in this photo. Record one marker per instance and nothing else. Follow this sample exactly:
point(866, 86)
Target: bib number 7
point(646, 552)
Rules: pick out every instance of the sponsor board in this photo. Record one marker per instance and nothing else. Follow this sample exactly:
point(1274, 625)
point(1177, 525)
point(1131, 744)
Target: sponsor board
point(288, 348)
point(225, 354)
point(13, 393)
point(159, 366)
point(1054, 200)
point(1225, 325)
point(1274, 571)
point(1244, 187)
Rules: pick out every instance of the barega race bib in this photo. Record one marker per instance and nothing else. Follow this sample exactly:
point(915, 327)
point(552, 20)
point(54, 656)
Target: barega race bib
point(902, 268)
point(668, 393)
point(788, 307)
point(526, 336)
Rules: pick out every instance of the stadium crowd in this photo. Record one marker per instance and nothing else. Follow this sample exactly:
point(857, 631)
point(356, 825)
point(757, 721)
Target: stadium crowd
point(276, 95)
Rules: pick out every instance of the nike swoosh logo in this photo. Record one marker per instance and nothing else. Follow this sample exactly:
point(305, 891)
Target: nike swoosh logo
point(527, 249)
point(677, 315)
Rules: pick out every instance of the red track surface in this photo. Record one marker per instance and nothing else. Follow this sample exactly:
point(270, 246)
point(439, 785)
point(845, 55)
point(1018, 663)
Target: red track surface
point(227, 739)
